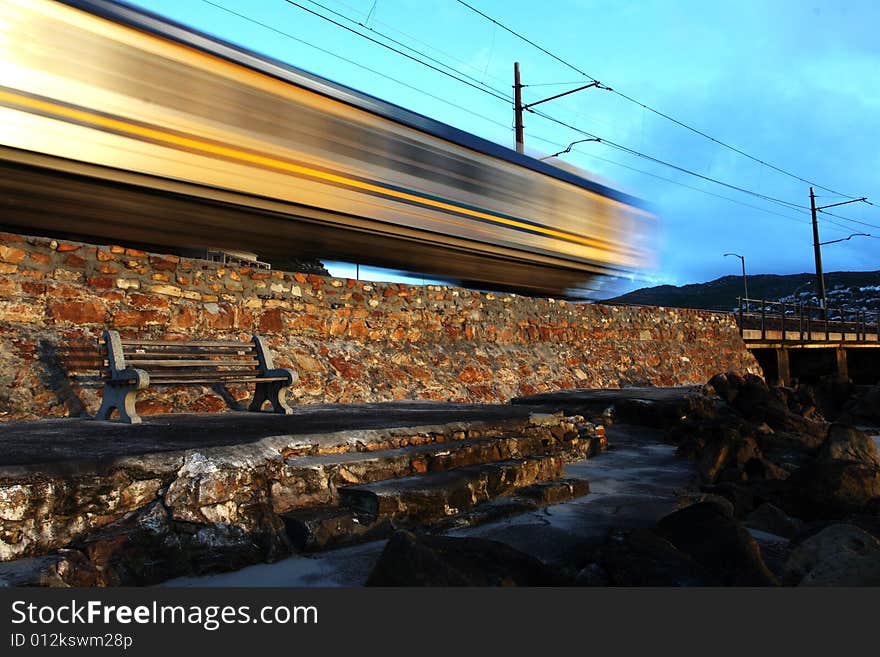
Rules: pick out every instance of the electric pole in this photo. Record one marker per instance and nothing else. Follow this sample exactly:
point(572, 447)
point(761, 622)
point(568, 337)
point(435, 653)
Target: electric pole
point(517, 108)
point(818, 252)
point(817, 244)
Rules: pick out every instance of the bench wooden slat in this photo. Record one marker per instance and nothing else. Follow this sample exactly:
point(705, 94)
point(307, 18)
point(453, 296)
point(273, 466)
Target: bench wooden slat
point(184, 363)
point(238, 380)
point(188, 354)
point(182, 343)
point(179, 374)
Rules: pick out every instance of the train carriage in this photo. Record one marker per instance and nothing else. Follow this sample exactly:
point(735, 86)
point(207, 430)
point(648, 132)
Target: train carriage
point(118, 124)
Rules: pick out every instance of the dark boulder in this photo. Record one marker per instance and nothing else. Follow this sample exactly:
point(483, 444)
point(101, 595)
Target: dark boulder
point(726, 386)
point(845, 443)
point(410, 560)
point(718, 543)
point(762, 469)
point(832, 489)
point(592, 574)
point(727, 449)
point(864, 407)
point(790, 450)
point(740, 497)
point(645, 412)
point(839, 555)
point(642, 558)
point(773, 520)
point(713, 459)
point(833, 393)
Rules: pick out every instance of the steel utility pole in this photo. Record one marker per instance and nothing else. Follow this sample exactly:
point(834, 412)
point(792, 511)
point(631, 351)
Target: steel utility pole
point(518, 108)
point(817, 244)
point(818, 253)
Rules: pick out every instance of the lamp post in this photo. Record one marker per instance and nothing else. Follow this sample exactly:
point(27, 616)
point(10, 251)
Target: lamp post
point(798, 289)
point(745, 281)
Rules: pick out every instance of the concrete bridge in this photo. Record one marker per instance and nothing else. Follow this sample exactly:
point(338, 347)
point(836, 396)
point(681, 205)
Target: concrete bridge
point(794, 341)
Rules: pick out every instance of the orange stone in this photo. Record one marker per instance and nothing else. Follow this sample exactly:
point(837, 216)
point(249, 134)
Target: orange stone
point(139, 318)
point(272, 321)
point(77, 312)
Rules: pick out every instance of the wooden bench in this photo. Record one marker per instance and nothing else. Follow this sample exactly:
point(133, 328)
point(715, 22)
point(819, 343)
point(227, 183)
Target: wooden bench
point(135, 364)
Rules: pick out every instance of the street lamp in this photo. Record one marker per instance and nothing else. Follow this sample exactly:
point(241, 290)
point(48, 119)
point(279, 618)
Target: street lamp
point(798, 289)
point(745, 282)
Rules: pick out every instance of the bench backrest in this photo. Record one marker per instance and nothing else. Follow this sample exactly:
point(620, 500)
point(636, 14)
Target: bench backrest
point(173, 361)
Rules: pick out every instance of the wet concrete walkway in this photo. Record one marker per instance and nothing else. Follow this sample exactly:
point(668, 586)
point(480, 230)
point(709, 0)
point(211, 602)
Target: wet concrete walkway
point(637, 482)
point(83, 439)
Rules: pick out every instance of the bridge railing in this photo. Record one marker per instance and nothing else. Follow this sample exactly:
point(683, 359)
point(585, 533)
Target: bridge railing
point(787, 322)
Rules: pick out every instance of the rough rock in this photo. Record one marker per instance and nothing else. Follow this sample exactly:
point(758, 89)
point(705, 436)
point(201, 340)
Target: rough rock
point(831, 489)
point(773, 520)
point(845, 443)
point(148, 547)
point(839, 555)
point(642, 558)
point(713, 458)
point(410, 560)
point(864, 407)
point(592, 575)
point(740, 498)
point(64, 568)
point(718, 543)
point(763, 469)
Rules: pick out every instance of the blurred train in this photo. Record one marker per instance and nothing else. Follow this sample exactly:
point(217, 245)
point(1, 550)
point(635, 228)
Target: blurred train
point(118, 125)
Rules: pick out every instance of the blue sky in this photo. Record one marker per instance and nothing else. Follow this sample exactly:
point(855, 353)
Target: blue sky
point(795, 84)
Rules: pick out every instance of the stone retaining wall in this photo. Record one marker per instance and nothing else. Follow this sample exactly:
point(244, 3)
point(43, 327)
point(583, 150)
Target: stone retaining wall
point(350, 341)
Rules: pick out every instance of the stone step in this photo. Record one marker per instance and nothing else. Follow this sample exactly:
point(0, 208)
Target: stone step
point(529, 498)
point(431, 496)
point(320, 528)
point(311, 530)
point(310, 481)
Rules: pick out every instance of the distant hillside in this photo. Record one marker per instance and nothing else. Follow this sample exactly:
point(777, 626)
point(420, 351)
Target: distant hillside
point(857, 290)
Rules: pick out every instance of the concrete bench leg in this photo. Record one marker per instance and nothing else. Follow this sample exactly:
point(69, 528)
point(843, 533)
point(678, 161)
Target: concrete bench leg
point(122, 399)
point(274, 392)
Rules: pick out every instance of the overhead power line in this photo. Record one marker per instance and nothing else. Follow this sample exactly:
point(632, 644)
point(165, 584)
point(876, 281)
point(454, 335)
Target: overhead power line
point(403, 45)
point(648, 107)
point(673, 166)
point(480, 87)
point(855, 221)
point(500, 96)
point(415, 39)
point(358, 65)
point(691, 187)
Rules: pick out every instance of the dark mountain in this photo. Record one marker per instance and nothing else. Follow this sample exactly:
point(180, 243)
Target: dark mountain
point(856, 290)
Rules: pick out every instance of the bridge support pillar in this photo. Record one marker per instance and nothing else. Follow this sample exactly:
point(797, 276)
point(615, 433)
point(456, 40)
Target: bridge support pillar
point(783, 369)
point(842, 369)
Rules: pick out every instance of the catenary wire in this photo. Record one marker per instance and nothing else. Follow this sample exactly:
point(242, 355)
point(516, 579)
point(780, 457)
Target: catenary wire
point(497, 94)
point(399, 52)
point(403, 45)
point(647, 107)
point(359, 65)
